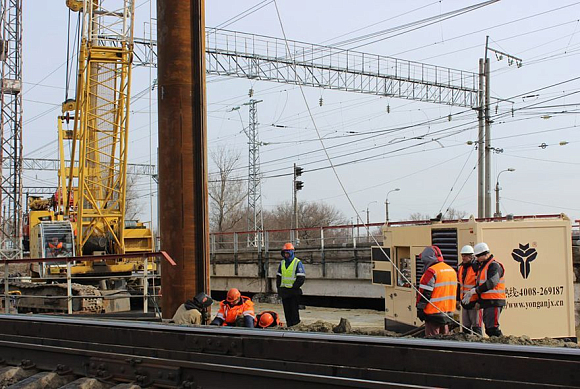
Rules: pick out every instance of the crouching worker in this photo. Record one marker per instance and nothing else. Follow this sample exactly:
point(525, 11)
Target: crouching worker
point(236, 311)
point(193, 311)
point(268, 319)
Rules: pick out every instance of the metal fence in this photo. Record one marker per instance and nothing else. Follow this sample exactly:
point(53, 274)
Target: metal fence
point(343, 236)
point(22, 287)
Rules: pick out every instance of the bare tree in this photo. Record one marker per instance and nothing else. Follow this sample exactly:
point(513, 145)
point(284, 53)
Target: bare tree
point(417, 216)
point(310, 214)
point(450, 214)
point(226, 191)
point(454, 214)
point(133, 207)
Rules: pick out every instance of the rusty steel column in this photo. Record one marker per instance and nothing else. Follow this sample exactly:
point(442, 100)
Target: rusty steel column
point(183, 208)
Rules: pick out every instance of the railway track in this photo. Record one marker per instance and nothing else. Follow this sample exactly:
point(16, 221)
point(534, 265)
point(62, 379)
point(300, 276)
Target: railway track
point(104, 354)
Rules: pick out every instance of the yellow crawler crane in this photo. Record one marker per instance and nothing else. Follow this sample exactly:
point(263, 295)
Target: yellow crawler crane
point(101, 120)
point(86, 216)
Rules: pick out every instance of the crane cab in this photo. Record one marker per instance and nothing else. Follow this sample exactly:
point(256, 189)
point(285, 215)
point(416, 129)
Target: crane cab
point(51, 239)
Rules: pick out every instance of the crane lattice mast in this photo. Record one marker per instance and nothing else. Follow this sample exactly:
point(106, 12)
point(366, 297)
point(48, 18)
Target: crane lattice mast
point(101, 119)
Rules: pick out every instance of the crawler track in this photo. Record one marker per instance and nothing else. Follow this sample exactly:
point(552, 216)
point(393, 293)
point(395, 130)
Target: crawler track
point(156, 355)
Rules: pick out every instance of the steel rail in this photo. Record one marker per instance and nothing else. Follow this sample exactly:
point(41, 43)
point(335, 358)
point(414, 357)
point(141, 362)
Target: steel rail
point(386, 360)
point(170, 373)
point(104, 359)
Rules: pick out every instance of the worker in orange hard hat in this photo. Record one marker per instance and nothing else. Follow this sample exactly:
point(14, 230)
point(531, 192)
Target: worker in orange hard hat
point(236, 310)
point(267, 319)
point(55, 247)
point(289, 279)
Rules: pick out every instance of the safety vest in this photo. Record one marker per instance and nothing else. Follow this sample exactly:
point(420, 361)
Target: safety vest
point(444, 291)
point(57, 246)
point(498, 292)
point(468, 283)
point(288, 273)
point(229, 314)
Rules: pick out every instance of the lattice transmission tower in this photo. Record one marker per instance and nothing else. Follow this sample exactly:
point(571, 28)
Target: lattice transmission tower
point(255, 218)
point(11, 127)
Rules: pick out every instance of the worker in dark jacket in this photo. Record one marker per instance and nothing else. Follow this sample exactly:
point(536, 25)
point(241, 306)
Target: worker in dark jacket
point(471, 316)
point(437, 292)
point(194, 311)
point(490, 288)
point(289, 279)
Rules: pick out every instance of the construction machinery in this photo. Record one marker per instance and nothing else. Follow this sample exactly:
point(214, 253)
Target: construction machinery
point(536, 252)
point(86, 215)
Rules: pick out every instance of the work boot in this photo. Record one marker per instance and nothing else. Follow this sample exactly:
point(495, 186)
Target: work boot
point(477, 330)
point(494, 331)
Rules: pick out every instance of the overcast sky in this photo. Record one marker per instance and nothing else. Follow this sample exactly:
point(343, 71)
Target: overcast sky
point(359, 129)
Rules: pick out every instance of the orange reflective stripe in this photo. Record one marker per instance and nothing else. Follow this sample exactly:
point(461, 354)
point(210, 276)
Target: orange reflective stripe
point(444, 291)
point(498, 292)
point(231, 313)
point(468, 283)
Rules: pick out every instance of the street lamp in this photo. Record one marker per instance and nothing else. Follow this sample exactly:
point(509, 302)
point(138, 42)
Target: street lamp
point(368, 229)
point(497, 189)
point(387, 204)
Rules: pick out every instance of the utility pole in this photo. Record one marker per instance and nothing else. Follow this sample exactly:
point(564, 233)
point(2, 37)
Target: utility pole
point(255, 218)
point(368, 221)
point(488, 149)
point(296, 186)
point(487, 136)
point(497, 189)
point(387, 204)
point(11, 130)
point(480, 144)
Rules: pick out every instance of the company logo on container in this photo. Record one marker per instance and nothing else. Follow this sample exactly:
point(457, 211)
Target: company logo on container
point(524, 255)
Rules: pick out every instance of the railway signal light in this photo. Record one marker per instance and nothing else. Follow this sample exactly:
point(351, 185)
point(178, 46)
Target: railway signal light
point(298, 171)
point(298, 185)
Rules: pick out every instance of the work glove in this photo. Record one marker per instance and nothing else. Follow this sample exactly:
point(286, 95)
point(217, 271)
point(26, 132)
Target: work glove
point(421, 314)
point(467, 297)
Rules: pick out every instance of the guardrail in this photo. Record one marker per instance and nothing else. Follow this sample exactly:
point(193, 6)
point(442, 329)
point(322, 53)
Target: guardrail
point(341, 236)
point(11, 297)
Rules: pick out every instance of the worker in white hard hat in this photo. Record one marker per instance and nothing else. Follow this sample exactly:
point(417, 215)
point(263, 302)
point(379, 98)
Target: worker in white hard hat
point(490, 288)
point(471, 315)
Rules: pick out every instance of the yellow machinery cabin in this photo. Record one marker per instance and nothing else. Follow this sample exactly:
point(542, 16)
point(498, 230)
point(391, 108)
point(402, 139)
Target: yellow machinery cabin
point(535, 251)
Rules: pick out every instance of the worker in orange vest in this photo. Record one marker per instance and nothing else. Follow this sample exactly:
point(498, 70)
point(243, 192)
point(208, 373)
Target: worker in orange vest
point(471, 315)
point(490, 288)
point(55, 247)
point(236, 310)
point(267, 319)
point(437, 292)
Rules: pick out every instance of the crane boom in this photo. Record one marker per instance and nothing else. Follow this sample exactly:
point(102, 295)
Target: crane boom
point(101, 120)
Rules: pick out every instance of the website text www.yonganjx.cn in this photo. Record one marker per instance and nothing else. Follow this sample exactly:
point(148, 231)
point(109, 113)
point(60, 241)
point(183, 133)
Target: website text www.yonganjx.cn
point(545, 304)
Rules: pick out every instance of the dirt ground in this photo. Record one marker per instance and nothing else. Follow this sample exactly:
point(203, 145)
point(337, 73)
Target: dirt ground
point(371, 322)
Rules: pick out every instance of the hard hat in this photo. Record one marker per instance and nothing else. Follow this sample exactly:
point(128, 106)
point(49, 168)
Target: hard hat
point(467, 249)
point(480, 248)
point(266, 319)
point(288, 246)
point(233, 295)
point(438, 253)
